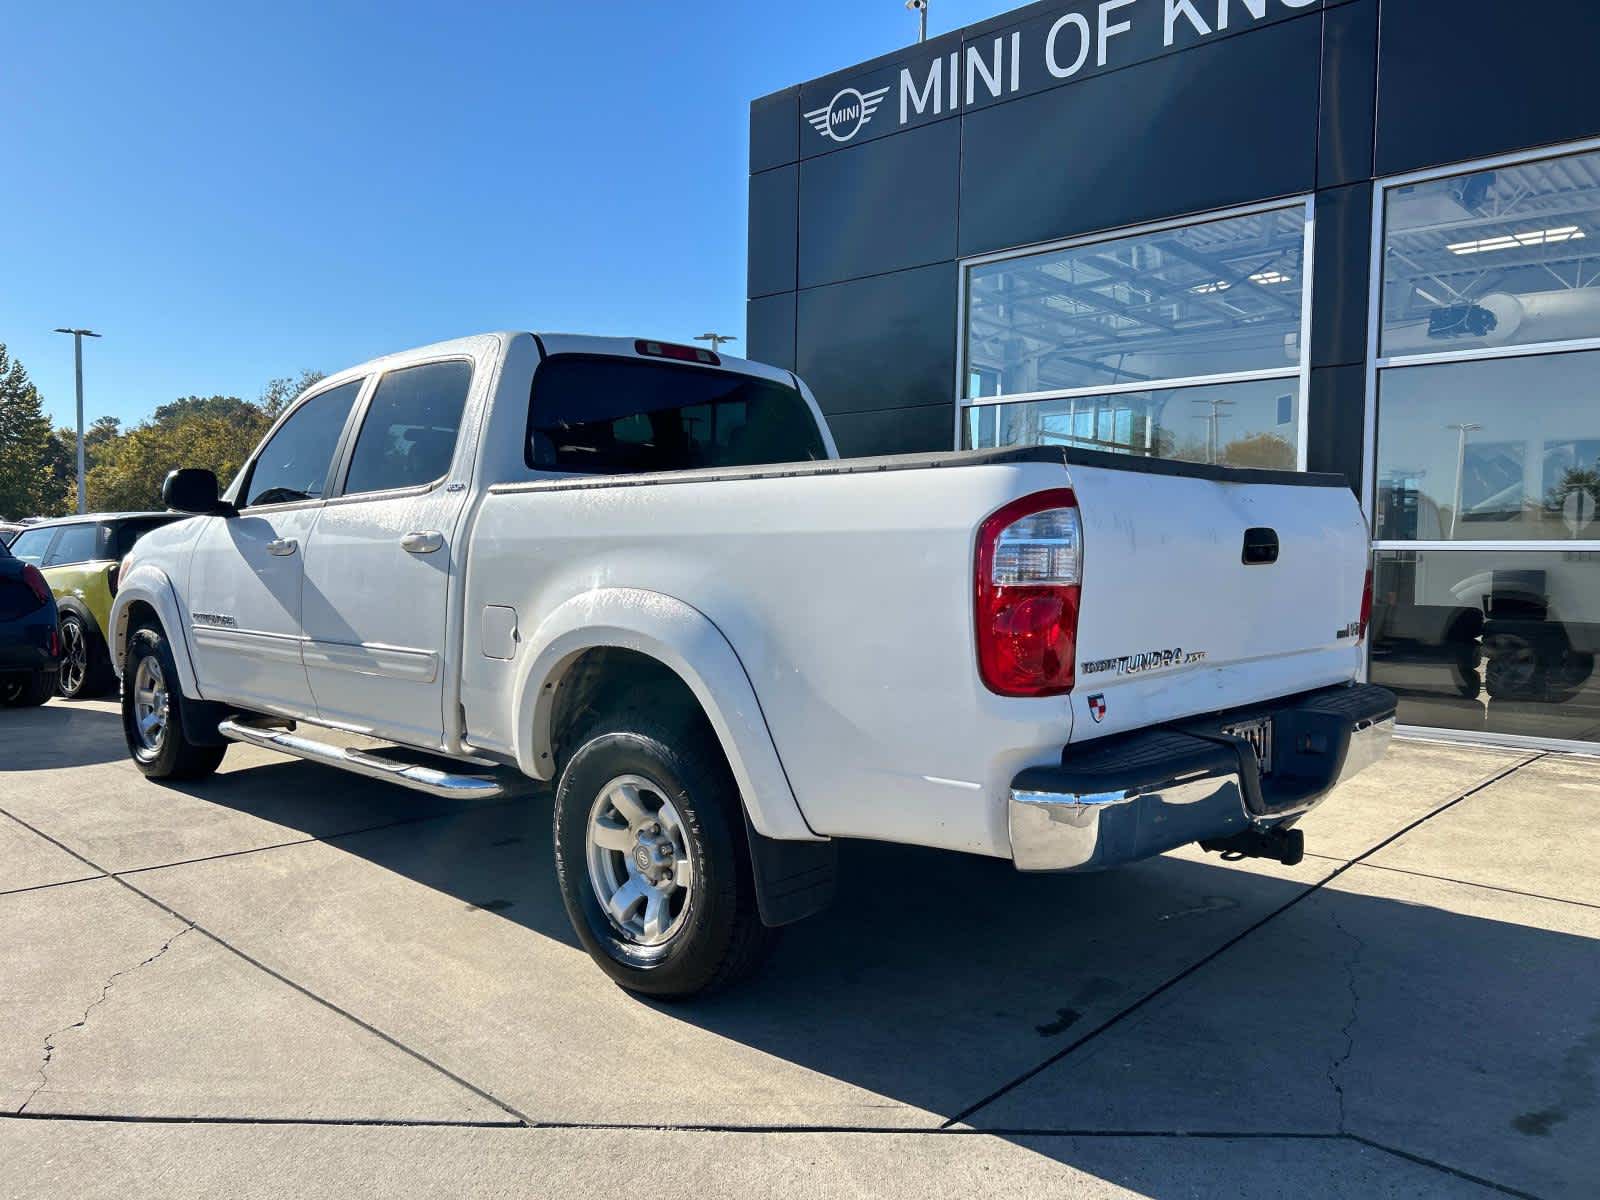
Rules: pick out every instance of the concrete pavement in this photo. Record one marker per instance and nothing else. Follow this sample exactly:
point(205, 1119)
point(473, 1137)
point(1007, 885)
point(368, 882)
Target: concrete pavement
point(208, 988)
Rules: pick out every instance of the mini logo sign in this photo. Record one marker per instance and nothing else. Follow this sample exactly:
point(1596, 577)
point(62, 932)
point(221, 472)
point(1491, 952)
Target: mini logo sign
point(1097, 707)
point(847, 113)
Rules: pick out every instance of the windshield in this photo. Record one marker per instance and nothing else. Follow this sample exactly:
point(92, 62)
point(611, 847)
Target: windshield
point(620, 415)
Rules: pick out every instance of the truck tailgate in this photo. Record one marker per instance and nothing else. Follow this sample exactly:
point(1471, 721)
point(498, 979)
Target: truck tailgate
point(1174, 621)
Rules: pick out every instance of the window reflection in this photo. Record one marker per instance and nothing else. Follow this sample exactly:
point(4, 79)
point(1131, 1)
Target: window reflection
point(1495, 641)
point(1217, 296)
point(1239, 424)
point(1498, 448)
point(1494, 258)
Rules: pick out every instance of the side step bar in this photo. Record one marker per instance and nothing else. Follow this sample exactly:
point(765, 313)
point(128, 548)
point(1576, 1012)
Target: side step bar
point(373, 766)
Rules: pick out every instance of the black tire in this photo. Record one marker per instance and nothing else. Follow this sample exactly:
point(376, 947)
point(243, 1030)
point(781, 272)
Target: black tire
point(27, 691)
point(718, 937)
point(92, 676)
point(168, 754)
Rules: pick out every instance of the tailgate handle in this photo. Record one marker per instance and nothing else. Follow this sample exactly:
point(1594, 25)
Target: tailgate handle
point(1260, 547)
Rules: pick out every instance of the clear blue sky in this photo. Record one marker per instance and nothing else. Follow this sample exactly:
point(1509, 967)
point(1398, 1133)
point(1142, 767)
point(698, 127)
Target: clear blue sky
point(231, 192)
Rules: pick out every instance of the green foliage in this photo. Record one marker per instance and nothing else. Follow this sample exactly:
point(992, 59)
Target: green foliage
point(1573, 479)
point(26, 483)
point(125, 468)
point(128, 473)
point(275, 397)
point(221, 408)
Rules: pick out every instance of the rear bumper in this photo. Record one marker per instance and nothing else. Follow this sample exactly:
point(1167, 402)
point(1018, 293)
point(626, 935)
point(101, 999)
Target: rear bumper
point(27, 645)
point(1135, 796)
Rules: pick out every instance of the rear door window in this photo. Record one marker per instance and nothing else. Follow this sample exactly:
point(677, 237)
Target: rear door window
point(408, 436)
point(618, 416)
point(77, 544)
point(295, 462)
point(31, 545)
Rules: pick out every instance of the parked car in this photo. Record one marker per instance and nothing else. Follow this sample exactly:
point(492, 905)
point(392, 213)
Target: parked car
point(640, 571)
point(30, 641)
point(79, 557)
point(9, 531)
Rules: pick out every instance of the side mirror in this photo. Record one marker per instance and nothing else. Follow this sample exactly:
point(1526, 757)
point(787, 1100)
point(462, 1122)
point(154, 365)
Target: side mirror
point(194, 490)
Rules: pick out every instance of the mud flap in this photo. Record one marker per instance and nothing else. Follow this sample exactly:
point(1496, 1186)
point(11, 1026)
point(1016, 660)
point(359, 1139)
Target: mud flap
point(794, 880)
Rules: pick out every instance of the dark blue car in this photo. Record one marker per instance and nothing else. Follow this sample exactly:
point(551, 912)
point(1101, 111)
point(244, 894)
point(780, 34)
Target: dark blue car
point(30, 637)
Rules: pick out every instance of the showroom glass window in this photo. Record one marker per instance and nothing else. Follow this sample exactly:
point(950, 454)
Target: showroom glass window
point(1486, 475)
point(1182, 341)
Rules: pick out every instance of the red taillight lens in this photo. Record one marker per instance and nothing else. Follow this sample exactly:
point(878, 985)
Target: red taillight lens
point(1029, 567)
point(34, 578)
point(1366, 606)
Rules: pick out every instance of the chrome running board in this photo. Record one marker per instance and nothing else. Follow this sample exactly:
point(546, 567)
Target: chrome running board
point(360, 762)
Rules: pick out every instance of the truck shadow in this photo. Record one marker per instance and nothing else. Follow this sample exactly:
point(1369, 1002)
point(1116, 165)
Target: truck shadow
point(1447, 1023)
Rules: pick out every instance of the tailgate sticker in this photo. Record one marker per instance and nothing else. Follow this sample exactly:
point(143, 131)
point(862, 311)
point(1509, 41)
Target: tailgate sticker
point(1145, 660)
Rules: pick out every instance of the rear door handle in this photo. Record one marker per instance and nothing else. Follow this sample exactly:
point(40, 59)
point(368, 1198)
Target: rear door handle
point(282, 547)
point(422, 542)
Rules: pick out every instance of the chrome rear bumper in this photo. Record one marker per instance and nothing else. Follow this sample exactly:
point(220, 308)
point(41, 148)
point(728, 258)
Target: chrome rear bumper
point(1168, 788)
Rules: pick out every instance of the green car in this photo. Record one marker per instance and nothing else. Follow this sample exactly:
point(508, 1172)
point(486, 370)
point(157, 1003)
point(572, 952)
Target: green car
point(79, 557)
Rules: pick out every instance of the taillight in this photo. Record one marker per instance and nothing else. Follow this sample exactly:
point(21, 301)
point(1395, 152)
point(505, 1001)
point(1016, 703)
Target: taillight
point(34, 578)
point(1366, 606)
point(689, 354)
point(1029, 568)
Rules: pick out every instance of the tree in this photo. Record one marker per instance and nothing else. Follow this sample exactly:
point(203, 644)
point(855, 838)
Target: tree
point(223, 408)
point(26, 487)
point(275, 397)
point(129, 472)
point(1259, 450)
point(1573, 479)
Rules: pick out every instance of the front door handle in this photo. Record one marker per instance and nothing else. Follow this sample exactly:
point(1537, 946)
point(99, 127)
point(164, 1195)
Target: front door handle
point(422, 542)
point(282, 547)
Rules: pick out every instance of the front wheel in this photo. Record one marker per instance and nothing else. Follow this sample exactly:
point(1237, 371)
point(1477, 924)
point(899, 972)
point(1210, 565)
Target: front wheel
point(652, 861)
point(152, 714)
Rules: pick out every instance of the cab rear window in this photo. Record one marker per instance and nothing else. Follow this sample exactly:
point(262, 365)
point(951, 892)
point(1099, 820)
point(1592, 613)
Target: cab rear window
point(600, 415)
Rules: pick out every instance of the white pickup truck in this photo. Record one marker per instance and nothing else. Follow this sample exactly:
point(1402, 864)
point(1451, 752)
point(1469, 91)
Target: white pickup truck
point(641, 571)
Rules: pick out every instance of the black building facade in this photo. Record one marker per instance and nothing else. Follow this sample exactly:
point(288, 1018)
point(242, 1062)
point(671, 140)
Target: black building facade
point(1339, 235)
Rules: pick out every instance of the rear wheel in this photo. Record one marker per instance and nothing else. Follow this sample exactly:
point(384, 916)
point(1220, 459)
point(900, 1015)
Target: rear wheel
point(152, 714)
point(29, 690)
point(85, 665)
point(652, 860)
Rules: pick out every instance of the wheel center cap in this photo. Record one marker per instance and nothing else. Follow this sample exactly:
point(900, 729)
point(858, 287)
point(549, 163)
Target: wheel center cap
point(641, 858)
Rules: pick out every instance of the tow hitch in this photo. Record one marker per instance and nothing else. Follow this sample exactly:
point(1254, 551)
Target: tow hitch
point(1287, 846)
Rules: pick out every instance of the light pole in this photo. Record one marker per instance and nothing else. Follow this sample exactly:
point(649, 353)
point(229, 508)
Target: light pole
point(1214, 425)
point(77, 359)
point(716, 339)
point(1464, 428)
point(920, 7)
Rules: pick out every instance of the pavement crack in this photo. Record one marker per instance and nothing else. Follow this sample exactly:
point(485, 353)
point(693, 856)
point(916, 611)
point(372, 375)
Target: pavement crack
point(105, 990)
point(1347, 1032)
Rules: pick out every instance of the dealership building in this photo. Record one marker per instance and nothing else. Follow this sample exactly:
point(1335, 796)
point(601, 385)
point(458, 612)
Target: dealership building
point(1326, 235)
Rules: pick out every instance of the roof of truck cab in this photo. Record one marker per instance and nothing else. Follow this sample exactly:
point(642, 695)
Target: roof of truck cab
point(553, 343)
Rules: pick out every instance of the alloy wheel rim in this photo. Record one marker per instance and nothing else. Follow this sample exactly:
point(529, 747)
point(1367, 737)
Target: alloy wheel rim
point(639, 860)
point(75, 661)
point(151, 704)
